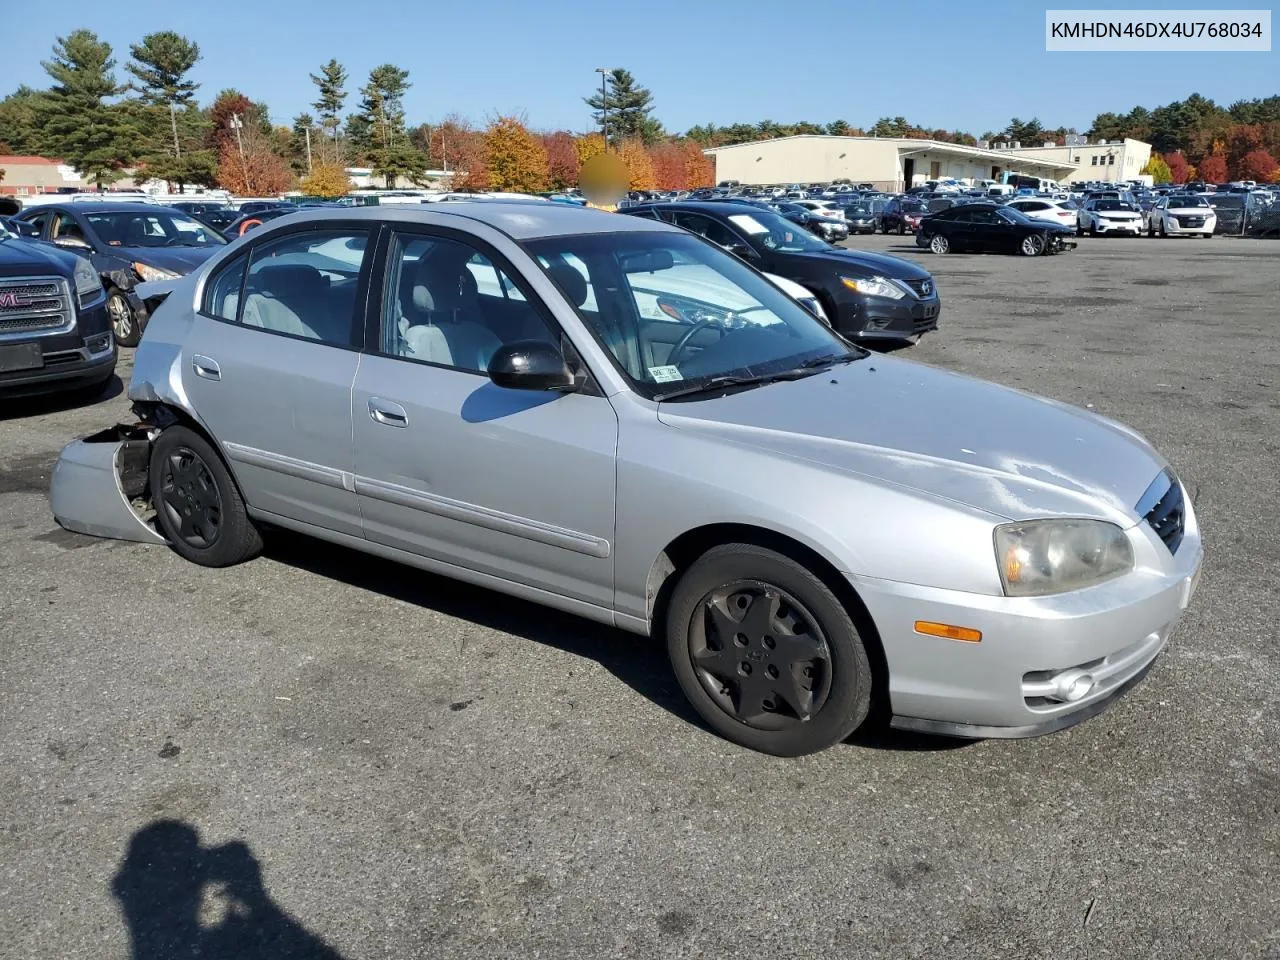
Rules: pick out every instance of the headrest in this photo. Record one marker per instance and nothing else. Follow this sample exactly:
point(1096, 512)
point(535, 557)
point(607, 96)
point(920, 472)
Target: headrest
point(571, 283)
point(291, 281)
point(443, 286)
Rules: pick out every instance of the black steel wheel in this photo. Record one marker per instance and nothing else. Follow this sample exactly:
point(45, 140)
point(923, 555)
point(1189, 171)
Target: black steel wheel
point(198, 506)
point(766, 653)
point(124, 322)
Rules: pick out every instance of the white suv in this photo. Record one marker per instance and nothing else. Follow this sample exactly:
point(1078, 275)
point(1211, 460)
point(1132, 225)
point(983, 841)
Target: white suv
point(1108, 215)
point(1181, 214)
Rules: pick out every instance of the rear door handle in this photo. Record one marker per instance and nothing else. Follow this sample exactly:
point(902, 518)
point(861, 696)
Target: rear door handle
point(388, 413)
point(206, 367)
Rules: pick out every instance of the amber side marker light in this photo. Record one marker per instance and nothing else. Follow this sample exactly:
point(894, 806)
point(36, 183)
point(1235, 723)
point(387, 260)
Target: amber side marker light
point(948, 631)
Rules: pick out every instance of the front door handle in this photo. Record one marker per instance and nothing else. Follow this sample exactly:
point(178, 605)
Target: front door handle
point(206, 367)
point(388, 413)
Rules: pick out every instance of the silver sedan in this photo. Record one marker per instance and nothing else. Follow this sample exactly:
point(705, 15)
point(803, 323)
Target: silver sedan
point(613, 417)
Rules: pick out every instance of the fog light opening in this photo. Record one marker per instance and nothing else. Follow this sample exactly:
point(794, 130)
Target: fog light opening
point(1071, 685)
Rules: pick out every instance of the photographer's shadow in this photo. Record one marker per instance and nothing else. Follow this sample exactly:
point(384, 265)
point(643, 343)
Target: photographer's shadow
point(182, 900)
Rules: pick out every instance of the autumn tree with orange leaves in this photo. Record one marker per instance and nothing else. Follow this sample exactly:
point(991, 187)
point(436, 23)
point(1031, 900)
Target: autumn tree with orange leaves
point(562, 160)
point(639, 167)
point(515, 158)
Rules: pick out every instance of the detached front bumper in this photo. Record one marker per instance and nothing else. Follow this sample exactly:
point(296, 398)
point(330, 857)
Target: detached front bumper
point(96, 482)
point(1004, 685)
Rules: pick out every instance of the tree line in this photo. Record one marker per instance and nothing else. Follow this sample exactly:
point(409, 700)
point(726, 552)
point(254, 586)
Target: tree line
point(148, 123)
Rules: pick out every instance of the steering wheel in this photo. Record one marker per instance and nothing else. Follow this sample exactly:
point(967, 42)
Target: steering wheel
point(676, 354)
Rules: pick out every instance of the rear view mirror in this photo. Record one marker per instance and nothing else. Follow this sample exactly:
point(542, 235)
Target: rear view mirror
point(646, 261)
point(531, 365)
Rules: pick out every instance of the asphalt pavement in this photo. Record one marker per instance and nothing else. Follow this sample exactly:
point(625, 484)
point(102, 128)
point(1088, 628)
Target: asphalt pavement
point(317, 754)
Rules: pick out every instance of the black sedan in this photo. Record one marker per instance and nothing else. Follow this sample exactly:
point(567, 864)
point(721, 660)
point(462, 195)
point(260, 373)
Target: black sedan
point(216, 215)
point(863, 216)
point(830, 229)
point(866, 296)
point(127, 243)
point(989, 226)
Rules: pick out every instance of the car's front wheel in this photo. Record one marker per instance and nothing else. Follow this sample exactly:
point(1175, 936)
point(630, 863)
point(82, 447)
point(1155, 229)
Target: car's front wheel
point(198, 506)
point(124, 322)
point(766, 653)
point(1032, 245)
point(940, 244)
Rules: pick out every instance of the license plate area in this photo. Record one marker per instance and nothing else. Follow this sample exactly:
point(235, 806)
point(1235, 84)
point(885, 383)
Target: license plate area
point(21, 356)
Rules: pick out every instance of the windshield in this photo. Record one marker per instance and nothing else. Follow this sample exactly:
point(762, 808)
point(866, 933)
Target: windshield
point(1015, 215)
point(1188, 201)
point(1112, 205)
point(163, 229)
point(764, 228)
point(675, 312)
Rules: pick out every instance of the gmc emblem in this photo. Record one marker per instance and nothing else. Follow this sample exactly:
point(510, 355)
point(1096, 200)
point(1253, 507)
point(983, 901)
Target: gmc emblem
point(11, 300)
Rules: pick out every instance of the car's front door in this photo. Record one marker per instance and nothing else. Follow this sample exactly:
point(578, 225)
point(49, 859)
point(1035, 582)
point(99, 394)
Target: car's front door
point(269, 365)
point(513, 484)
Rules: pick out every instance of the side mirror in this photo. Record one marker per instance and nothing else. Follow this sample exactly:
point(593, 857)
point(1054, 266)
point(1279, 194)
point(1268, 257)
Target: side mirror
point(72, 243)
point(531, 365)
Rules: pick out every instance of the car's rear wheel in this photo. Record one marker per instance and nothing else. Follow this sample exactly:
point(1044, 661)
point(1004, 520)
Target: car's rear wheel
point(198, 506)
point(1032, 245)
point(124, 322)
point(766, 653)
point(1163, 231)
point(939, 244)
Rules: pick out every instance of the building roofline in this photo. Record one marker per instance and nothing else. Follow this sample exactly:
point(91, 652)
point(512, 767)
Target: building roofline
point(1003, 156)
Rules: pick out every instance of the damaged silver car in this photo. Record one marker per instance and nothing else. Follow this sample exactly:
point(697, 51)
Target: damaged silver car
point(613, 417)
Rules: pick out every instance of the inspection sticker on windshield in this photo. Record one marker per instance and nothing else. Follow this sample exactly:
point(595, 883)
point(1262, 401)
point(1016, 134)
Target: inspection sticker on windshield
point(748, 223)
point(665, 374)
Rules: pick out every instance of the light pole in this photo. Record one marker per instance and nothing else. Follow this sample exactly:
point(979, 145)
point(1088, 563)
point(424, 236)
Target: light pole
point(604, 107)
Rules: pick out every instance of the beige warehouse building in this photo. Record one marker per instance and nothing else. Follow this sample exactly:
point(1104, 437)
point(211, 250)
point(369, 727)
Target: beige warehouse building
point(895, 163)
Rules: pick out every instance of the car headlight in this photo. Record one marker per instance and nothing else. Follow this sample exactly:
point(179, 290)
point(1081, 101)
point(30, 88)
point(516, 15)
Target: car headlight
point(150, 274)
point(874, 287)
point(88, 283)
point(1041, 557)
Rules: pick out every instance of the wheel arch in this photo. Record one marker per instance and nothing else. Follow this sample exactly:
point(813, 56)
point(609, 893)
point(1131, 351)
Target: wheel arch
point(162, 414)
point(678, 555)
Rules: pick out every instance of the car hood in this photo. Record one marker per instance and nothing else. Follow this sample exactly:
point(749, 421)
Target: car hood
point(873, 264)
point(19, 255)
point(947, 436)
point(179, 260)
point(1119, 214)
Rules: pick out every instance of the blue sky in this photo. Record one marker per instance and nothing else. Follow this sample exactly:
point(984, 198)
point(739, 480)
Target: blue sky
point(939, 64)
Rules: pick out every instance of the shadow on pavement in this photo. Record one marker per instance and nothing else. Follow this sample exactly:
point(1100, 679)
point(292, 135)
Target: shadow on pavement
point(45, 403)
point(183, 901)
point(639, 662)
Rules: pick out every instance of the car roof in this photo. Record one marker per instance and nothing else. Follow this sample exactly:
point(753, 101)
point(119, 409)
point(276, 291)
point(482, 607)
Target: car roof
point(520, 220)
point(104, 206)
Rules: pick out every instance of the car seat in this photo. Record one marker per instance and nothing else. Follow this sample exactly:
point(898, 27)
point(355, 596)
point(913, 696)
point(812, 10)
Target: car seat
point(445, 324)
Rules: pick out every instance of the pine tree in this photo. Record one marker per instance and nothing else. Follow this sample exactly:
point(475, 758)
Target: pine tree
point(381, 126)
point(332, 96)
point(20, 120)
point(79, 125)
point(160, 64)
point(625, 108)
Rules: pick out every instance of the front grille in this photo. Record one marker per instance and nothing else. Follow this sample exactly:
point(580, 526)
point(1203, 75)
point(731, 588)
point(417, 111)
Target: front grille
point(1168, 517)
point(1190, 221)
point(921, 288)
point(35, 305)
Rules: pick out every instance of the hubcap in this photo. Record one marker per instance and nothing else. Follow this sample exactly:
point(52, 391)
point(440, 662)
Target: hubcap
point(121, 316)
point(189, 498)
point(939, 244)
point(760, 654)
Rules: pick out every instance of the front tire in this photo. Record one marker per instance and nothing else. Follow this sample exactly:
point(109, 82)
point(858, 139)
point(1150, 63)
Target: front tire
point(124, 322)
point(766, 653)
point(902, 228)
point(198, 505)
point(940, 244)
point(1032, 245)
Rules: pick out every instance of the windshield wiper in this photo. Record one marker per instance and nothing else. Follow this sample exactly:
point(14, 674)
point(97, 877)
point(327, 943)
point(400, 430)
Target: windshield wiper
point(832, 360)
point(806, 369)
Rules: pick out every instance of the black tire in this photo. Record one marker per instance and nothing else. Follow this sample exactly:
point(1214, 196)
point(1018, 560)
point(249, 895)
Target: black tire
point(1208, 236)
point(124, 322)
point(1032, 245)
point(802, 625)
point(199, 509)
point(1093, 230)
point(1079, 230)
point(902, 228)
point(1163, 232)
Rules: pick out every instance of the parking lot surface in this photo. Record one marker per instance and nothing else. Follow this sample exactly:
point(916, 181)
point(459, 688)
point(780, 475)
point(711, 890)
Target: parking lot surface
point(321, 754)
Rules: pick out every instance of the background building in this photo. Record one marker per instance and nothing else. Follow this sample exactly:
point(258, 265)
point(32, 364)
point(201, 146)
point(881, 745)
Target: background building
point(29, 176)
point(895, 163)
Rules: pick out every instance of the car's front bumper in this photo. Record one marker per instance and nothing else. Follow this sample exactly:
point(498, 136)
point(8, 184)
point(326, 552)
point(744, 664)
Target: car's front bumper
point(64, 368)
point(997, 686)
point(879, 318)
point(862, 226)
point(1173, 226)
point(1130, 227)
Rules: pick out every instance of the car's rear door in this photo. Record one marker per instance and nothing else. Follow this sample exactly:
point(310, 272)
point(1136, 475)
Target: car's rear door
point(269, 366)
point(512, 484)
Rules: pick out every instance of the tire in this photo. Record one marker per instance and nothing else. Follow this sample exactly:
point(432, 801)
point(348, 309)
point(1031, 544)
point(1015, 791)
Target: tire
point(1032, 245)
point(902, 228)
point(1208, 236)
point(220, 532)
point(763, 597)
point(124, 322)
point(939, 244)
point(1151, 230)
point(1163, 232)
point(1093, 231)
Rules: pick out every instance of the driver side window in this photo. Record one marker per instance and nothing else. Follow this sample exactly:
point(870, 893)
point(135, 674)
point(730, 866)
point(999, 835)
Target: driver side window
point(714, 231)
